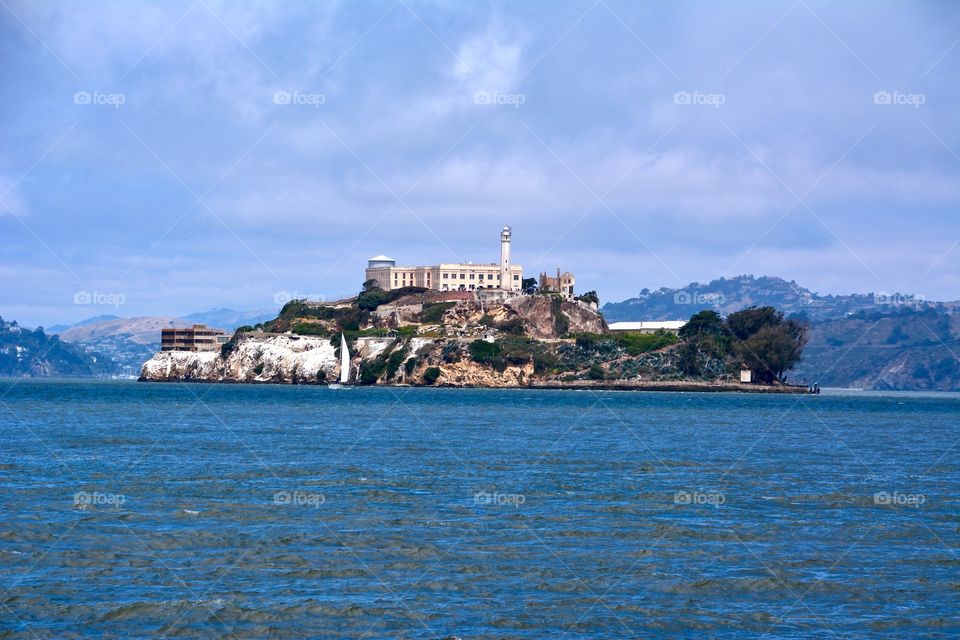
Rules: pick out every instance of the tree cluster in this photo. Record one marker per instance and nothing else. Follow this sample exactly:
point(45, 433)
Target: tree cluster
point(757, 338)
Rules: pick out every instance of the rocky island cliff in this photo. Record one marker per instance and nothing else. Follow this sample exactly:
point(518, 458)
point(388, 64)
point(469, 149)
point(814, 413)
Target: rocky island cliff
point(415, 337)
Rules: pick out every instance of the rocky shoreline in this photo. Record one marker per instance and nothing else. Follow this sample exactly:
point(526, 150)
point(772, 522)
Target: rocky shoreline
point(310, 360)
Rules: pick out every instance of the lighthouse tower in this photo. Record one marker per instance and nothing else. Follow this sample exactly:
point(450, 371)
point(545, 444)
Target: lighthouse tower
point(505, 282)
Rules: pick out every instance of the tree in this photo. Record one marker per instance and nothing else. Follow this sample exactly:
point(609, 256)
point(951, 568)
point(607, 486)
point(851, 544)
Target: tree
point(704, 323)
point(744, 324)
point(590, 297)
point(772, 350)
point(688, 358)
point(529, 284)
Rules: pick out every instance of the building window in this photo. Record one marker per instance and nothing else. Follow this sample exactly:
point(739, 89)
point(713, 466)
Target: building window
point(471, 276)
point(516, 277)
point(463, 276)
point(480, 277)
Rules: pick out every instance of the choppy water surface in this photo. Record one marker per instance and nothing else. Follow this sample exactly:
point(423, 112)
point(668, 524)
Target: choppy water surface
point(253, 511)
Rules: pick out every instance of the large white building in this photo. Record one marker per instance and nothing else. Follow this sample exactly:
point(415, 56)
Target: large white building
point(450, 277)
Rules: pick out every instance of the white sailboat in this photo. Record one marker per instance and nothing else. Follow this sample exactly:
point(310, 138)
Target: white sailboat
point(344, 363)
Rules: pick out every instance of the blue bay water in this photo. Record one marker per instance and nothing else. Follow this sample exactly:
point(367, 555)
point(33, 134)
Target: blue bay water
point(144, 510)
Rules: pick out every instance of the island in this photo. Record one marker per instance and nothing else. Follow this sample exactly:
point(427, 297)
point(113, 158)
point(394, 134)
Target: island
point(415, 336)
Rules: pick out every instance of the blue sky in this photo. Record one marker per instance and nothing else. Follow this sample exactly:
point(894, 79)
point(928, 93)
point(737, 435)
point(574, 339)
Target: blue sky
point(171, 157)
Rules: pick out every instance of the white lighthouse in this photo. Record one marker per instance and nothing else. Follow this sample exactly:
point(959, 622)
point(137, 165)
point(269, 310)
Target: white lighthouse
point(505, 282)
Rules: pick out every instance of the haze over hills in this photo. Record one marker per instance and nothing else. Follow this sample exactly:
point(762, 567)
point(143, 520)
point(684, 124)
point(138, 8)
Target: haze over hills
point(26, 352)
point(101, 345)
point(130, 342)
point(871, 341)
point(726, 295)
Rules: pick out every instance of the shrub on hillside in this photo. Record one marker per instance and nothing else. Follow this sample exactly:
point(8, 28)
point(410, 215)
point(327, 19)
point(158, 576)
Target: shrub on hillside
point(394, 362)
point(431, 375)
point(409, 366)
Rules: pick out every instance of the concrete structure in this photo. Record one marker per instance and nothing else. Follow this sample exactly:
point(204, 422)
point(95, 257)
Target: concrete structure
point(673, 326)
point(450, 276)
point(746, 376)
point(505, 235)
point(199, 337)
point(562, 284)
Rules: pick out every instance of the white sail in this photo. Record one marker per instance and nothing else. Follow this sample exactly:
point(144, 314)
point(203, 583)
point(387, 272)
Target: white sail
point(344, 361)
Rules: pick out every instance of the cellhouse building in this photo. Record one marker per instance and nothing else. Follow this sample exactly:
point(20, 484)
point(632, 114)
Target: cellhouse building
point(468, 276)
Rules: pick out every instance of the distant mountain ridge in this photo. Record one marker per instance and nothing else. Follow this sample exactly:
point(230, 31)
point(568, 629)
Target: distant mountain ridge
point(25, 352)
point(870, 341)
point(130, 342)
point(726, 295)
point(909, 349)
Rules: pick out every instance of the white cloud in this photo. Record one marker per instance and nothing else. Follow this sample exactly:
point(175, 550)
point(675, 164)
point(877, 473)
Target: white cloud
point(11, 201)
point(489, 61)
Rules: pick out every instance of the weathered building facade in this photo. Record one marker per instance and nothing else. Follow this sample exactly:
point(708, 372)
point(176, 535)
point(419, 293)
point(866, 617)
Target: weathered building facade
point(450, 276)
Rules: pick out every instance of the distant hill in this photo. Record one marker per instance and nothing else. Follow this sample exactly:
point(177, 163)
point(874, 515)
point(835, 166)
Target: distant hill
point(871, 341)
point(906, 350)
point(25, 352)
point(228, 319)
point(726, 295)
point(129, 342)
point(60, 328)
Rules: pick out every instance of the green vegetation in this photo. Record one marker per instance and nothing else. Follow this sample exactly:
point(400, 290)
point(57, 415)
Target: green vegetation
point(345, 318)
point(370, 371)
point(590, 297)
point(433, 313)
point(431, 375)
point(228, 347)
point(484, 352)
point(545, 363)
point(633, 344)
point(704, 323)
point(372, 297)
point(561, 323)
point(514, 326)
point(394, 361)
point(310, 329)
point(757, 338)
point(409, 366)
point(26, 352)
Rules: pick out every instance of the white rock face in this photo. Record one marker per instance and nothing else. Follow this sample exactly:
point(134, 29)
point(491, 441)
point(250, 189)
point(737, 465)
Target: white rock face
point(270, 359)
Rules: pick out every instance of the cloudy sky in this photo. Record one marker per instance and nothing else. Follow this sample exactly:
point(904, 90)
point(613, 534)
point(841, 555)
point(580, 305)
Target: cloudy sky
point(178, 156)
